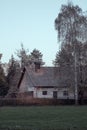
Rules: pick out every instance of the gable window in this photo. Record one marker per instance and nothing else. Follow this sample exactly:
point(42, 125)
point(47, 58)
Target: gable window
point(65, 93)
point(44, 92)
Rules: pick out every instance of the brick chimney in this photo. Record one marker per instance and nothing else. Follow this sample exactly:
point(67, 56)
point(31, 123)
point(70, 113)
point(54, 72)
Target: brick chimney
point(37, 66)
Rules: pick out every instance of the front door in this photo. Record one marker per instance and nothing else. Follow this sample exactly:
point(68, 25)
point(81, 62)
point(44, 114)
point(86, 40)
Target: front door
point(55, 94)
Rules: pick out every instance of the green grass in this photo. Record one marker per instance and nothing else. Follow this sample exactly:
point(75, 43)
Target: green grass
point(43, 118)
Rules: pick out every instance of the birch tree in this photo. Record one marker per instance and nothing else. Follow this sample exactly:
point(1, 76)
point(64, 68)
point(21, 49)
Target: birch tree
point(71, 25)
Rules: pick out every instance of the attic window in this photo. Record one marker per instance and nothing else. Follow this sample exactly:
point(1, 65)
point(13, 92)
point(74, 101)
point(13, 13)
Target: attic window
point(44, 92)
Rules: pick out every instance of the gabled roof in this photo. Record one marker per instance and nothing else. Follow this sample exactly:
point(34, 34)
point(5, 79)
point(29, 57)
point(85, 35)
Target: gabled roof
point(46, 77)
point(43, 77)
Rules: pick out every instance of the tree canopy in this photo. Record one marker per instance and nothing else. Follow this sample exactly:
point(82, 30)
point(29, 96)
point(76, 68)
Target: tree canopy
point(71, 24)
point(27, 58)
point(3, 81)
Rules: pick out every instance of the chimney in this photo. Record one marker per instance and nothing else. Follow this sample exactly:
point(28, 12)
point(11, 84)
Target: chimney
point(37, 66)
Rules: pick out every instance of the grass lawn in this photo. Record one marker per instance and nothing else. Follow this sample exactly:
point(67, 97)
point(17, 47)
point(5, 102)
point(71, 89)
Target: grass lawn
point(43, 118)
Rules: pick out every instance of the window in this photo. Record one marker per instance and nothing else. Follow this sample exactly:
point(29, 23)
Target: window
point(65, 93)
point(44, 92)
point(55, 94)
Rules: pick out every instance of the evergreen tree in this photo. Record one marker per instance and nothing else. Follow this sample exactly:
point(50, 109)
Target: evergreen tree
point(12, 69)
point(36, 56)
point(3, 82)
point(27, 59)
point(13, 75)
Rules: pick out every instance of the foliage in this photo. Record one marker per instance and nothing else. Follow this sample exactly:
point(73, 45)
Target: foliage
point(65, 62)
point(64, 56)
point(27, 59)
point(12, 69)
point(0, 56)
point(13, 76)
point(3, 82)
point(36, 56)
point(3, 88)
point(23, 56)
point(71, 24)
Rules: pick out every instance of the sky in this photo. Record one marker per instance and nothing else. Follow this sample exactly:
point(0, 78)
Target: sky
point(31, 22)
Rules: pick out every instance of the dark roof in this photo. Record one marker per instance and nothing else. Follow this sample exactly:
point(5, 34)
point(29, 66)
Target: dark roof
point(45, 77)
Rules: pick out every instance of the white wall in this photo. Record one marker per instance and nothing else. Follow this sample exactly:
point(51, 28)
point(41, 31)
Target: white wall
point(38, 93)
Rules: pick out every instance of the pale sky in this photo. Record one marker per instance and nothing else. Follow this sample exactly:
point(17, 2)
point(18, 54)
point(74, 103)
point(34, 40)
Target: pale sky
point(31, 22)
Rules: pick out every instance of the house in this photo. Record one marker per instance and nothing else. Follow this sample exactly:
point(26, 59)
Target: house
point(42, 82)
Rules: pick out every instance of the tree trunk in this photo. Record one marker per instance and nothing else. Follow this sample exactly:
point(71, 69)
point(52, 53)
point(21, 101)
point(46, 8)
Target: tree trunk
point(75, 72)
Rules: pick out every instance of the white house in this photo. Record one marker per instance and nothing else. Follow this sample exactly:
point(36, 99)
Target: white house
point(41, 82)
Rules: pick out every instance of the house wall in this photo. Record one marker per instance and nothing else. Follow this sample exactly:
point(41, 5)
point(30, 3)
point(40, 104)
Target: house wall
point(27, 88)
point(22, 88)
point(38, 93)
point(24, 84)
